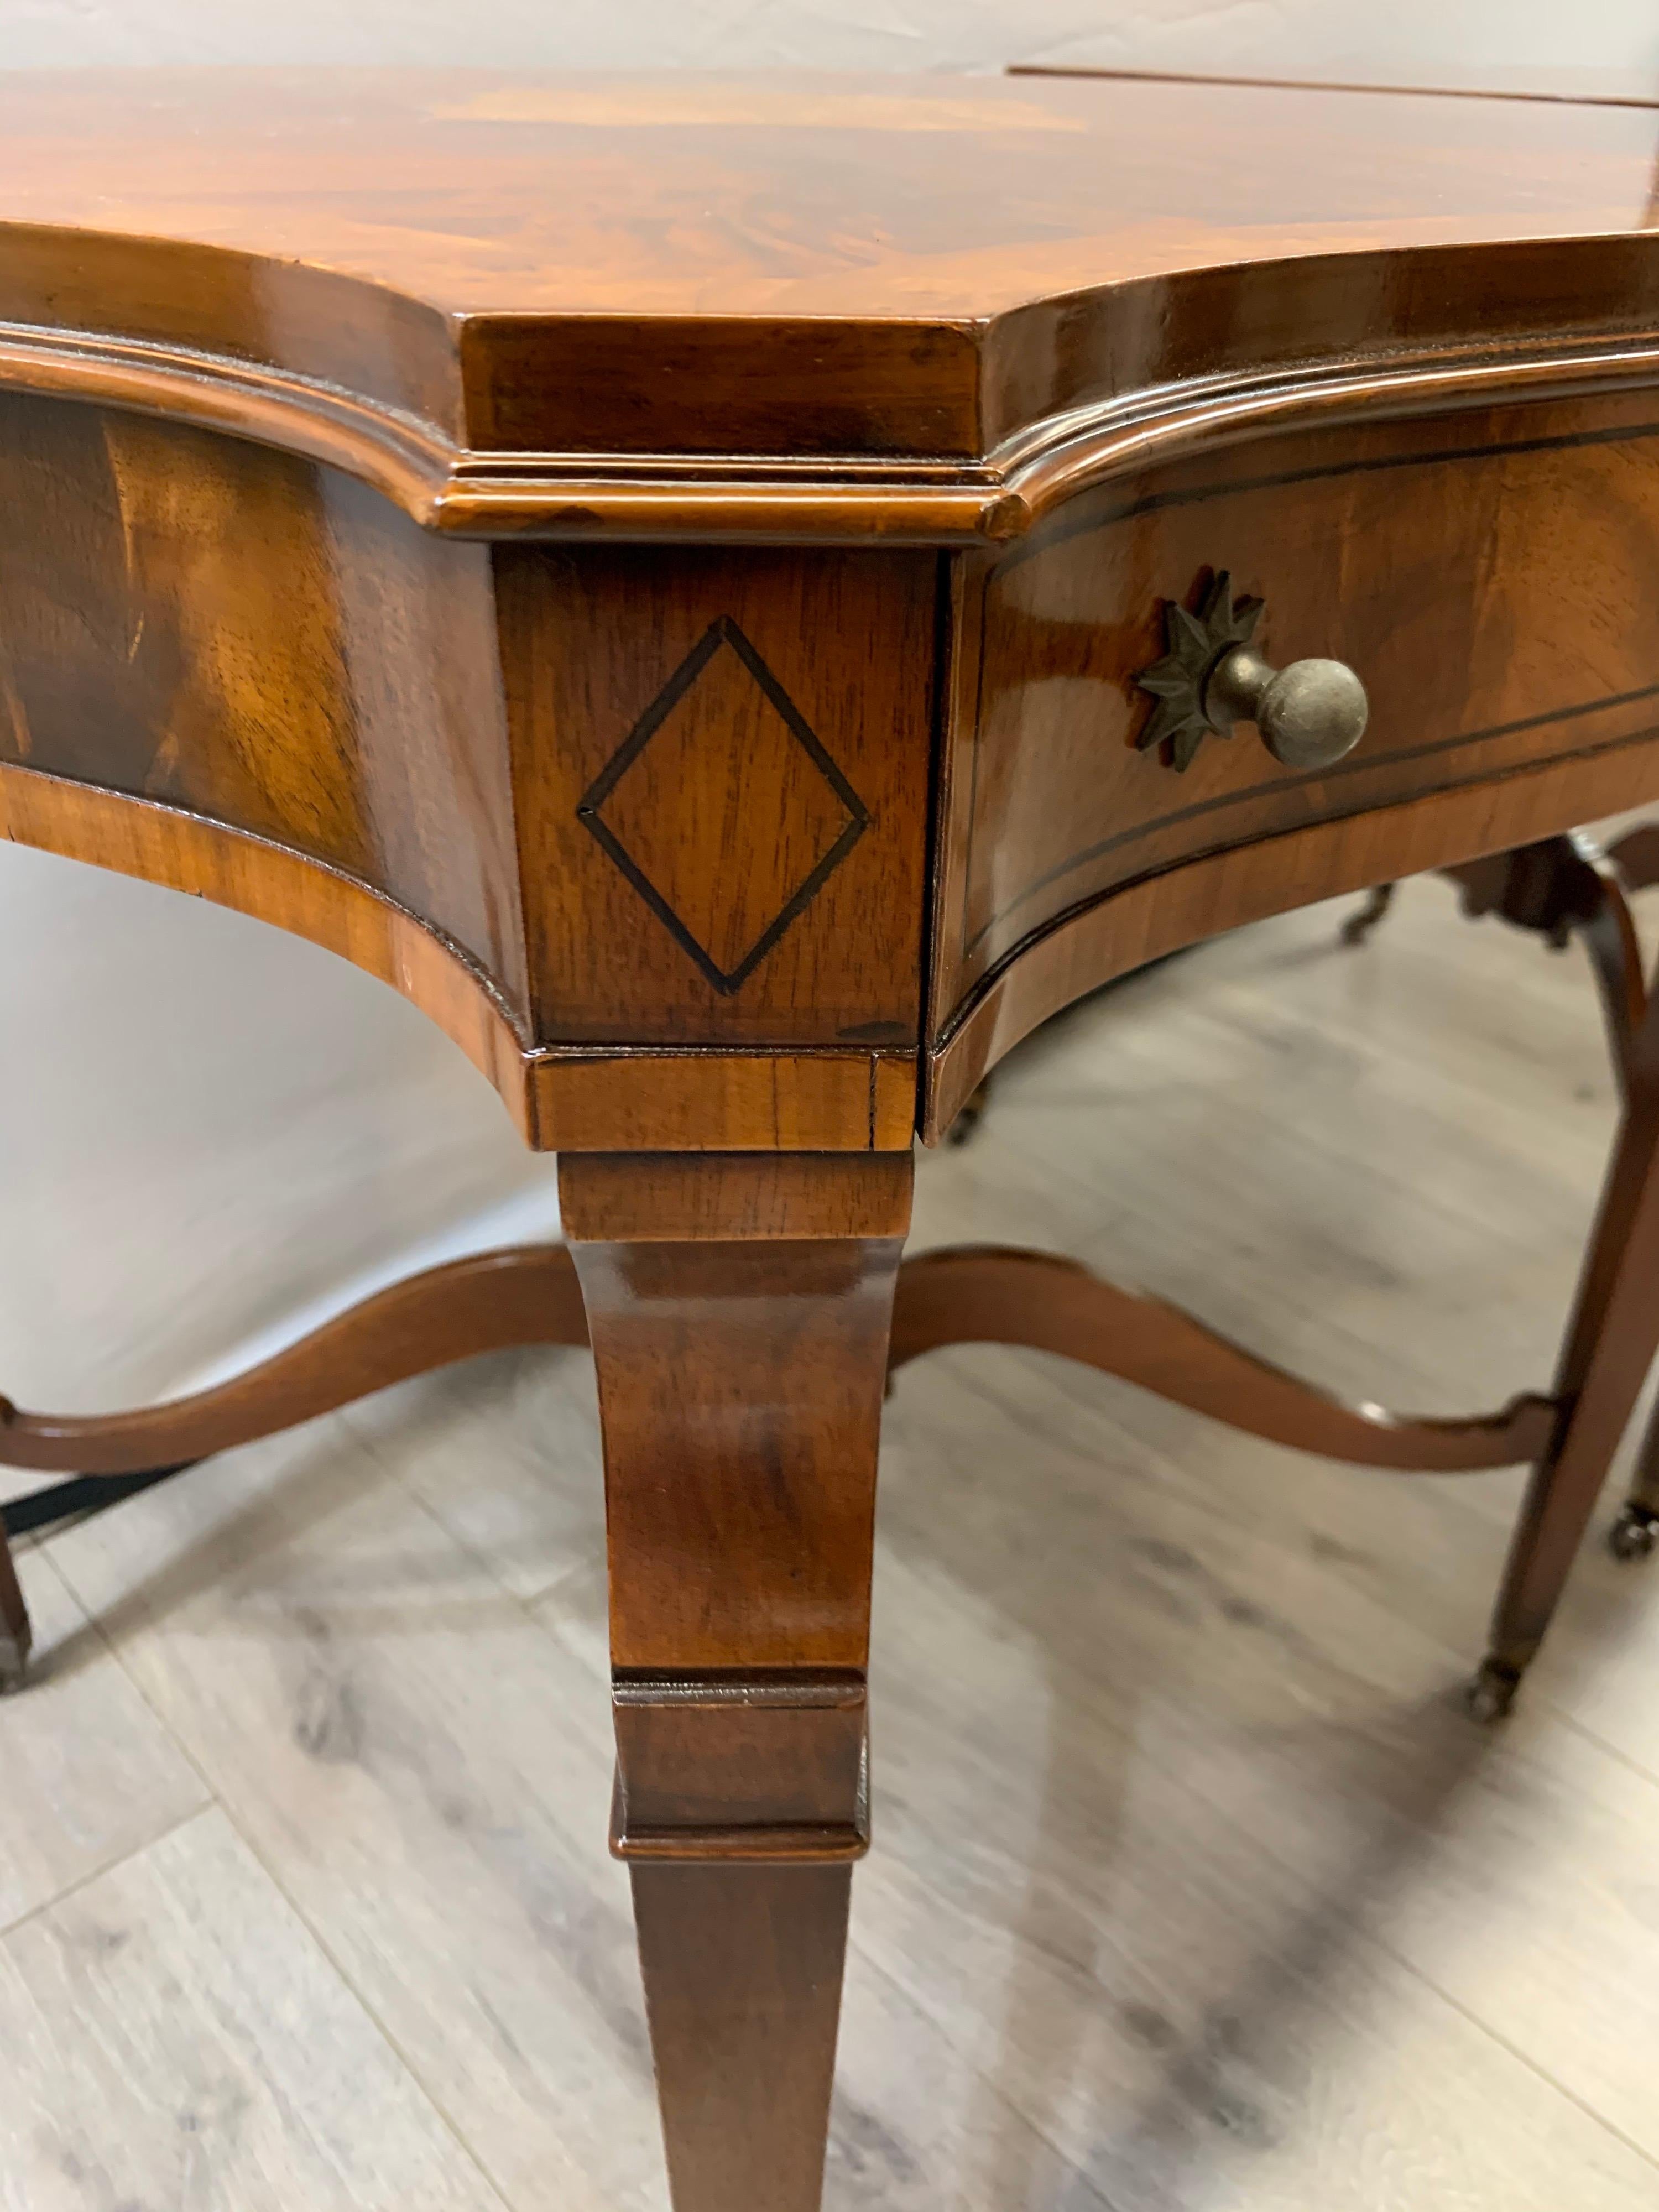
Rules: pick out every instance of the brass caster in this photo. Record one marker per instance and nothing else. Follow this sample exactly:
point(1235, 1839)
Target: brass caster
point(1633, 1534)
point(1492, 1694)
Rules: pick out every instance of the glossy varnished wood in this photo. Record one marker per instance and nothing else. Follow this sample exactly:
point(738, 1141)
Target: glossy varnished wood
point(965, 292)
point(525, 790)
point(1251, 882)
point(1610, 1346)
point(235, 633)
point(993, 1295)
point(1482, 585)
point(529, 1294)
point(997, 305)
point(722, 811)
point(1478, 570)
point(791, 1261)
point(740, 1311)
point(1211, 1686)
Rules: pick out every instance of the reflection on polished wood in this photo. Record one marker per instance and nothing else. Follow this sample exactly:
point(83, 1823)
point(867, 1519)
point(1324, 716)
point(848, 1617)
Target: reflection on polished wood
point(657, 572)
point(1162, 913)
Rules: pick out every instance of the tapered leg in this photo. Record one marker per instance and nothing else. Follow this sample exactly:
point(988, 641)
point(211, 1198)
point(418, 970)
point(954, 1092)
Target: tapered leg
point(15, 1636)
point(739, 1307)
point(1611, 1342)
point(743, 1971)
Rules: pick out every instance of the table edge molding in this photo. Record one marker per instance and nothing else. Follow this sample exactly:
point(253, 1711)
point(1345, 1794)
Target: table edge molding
point(772, 499)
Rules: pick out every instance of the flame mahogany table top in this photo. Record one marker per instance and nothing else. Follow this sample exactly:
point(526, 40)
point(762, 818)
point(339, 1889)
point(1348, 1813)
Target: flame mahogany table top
point(954, 198)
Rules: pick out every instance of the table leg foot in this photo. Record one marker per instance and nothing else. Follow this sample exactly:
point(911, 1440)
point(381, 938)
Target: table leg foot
point(1634, 1534)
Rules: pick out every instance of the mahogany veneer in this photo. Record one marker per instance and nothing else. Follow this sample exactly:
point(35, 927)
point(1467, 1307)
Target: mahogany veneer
point(667, 573)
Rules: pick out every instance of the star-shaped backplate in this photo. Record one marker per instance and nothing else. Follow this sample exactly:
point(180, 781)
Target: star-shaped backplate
point(1195, 643)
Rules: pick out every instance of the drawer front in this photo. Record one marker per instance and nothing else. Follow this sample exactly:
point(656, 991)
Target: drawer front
point(1493, 577)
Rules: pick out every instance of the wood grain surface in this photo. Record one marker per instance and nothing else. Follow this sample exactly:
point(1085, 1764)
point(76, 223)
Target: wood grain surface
point(913, 274)
point(999, 1294)
point(573, 183)
point(535, 792)
point(877, 425)
point(1480, 572)
point(239, 634)
point(721, 762)
point(1610, 1348)
point(602, 809)
point(739, 1310)
point(709, 1284)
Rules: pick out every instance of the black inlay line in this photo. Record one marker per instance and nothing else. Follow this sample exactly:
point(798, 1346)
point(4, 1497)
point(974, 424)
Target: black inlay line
point(659, 905)
point(802, 899)
point(1351, 766)
point(937, 830)
point(1007, 961)
point(653, 719)
point(796, 722)
point(974, 748)
point(1154, 502)
point(722, 631)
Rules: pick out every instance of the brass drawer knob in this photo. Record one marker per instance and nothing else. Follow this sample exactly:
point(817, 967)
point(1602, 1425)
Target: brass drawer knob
point(1309, 715)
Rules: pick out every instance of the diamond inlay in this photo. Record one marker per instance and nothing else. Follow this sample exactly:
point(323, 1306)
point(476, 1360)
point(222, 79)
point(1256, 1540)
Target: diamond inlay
point(722, 809)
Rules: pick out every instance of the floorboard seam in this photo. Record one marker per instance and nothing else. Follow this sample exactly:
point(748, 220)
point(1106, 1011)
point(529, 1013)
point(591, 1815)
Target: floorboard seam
point(324, 1950)
point(1495, 2035)
point(81, 1881)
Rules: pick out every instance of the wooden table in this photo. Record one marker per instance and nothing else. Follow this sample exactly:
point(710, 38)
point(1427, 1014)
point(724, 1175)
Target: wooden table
point(739, 597)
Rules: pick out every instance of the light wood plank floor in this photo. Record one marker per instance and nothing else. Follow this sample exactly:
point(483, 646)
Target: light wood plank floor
point(1192, 1886)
